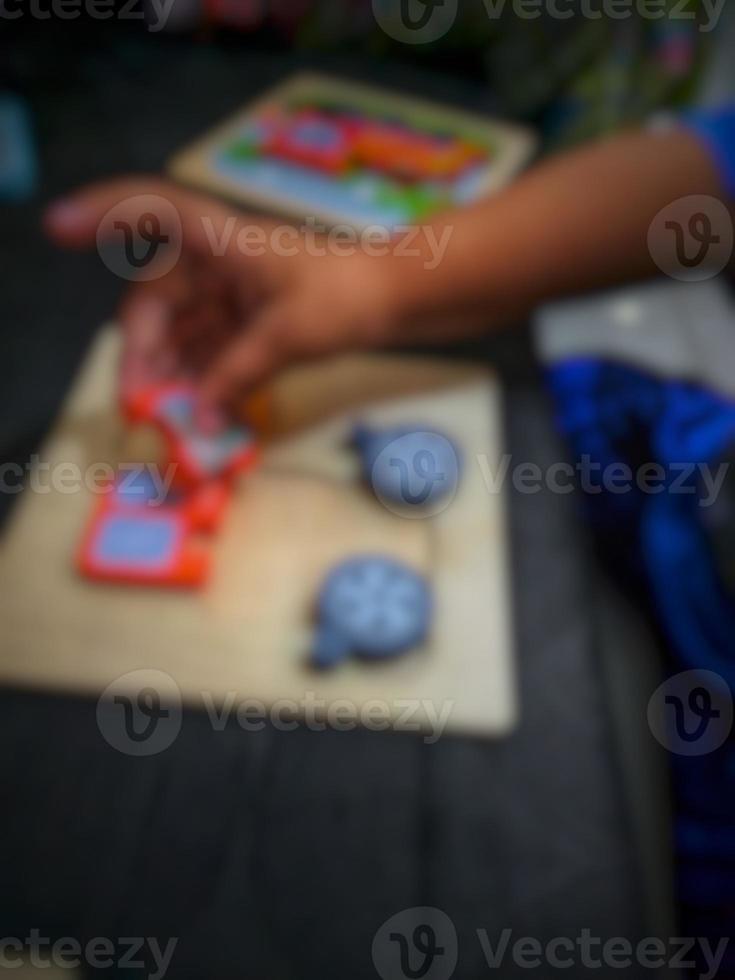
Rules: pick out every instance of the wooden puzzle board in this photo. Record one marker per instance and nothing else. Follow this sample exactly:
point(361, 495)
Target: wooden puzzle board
point(514, 145)
point(303, 510)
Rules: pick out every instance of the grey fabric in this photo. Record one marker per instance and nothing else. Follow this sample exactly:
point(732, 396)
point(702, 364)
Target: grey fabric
point(673, 329)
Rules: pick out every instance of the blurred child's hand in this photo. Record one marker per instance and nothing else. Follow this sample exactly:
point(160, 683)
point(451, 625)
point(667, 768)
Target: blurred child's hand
point(233, 309)
point(232, 314)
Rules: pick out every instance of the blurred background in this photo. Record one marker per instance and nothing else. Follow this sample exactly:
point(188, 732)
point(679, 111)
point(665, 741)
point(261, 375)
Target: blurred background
point(280, 854)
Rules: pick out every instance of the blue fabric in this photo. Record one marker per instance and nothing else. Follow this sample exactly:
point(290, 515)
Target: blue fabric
point(612, 413)
point(716, 130)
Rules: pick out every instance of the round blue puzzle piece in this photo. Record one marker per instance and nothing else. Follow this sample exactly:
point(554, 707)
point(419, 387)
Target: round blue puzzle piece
point(371, 606)
point(409, 467)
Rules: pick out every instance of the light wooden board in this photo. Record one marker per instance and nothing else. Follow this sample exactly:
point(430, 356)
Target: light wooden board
point(514, 145)
point(300, 512)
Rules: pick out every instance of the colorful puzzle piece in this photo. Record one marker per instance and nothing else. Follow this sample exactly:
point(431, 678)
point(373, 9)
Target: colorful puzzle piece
point(197, 456)
point(335, 140)
point(313, 140)
point(410, 155)
point(141, 532)
point(142, 547)
point(372, 607)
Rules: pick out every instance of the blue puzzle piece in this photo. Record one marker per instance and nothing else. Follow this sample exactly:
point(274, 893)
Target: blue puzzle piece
point(373, 607)
point(150, 544)
point(408, 465)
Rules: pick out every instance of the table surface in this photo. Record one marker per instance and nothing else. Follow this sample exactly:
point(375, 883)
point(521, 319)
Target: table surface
point(279, 854)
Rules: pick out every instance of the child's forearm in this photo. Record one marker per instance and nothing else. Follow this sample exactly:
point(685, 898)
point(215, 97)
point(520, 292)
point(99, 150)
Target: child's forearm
point(577, 222)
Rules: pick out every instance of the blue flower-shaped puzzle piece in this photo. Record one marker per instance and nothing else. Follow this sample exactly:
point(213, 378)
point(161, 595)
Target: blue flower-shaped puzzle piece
point(408, 465)
point(371, 606)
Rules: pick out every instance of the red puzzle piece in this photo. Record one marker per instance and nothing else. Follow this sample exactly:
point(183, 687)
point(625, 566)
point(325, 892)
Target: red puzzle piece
point(142, 547)
point(140, 534)
point(197, 456)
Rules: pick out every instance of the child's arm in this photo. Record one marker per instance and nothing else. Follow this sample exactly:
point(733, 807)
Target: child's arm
point(576, 222)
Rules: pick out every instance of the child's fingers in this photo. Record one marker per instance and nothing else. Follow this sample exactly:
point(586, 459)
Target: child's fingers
point(144, 318)
point(246, 363)
point(75, 220)
point(147, 312)
point(206, 227)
